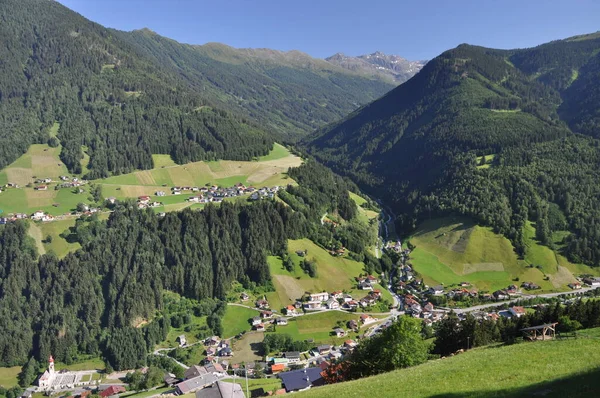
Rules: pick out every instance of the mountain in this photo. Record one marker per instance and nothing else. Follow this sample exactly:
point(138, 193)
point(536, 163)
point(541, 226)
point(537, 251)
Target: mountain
point(289, 93)
point(123, 96)
point(502, 136)
point(390, 67)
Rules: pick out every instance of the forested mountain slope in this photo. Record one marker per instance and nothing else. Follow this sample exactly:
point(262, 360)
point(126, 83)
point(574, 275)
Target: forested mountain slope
point(419, 146)
point(124, 96)
point(58, 66)
point(288, 92)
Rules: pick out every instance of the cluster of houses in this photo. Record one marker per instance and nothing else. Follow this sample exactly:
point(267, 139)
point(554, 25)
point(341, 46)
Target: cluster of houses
point(142, 202)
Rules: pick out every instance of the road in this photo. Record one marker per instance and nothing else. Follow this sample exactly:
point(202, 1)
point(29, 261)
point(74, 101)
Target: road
point(525, 297)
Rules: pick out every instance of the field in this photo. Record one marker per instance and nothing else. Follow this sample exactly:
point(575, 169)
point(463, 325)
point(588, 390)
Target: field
point(566, 368)
point(87, 364)
point(317, 326)
point(269, 170)
point(489, 160)
point(39, 161)
point(452, 250)
point(8, 376)
point(246, 349)
point(333, 273)
point(236, 320)
point(59, 245)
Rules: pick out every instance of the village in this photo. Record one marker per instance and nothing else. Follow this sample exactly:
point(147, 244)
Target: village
point(201, 195)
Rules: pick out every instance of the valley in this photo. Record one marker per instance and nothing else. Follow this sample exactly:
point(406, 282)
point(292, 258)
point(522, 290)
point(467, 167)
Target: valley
point(204, 220)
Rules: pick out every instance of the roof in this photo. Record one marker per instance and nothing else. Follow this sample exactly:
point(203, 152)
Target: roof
point(301, 379)
point(221, 389)
point(194, 371)
point(520, 310)
point(277, 367)
point(291, 354)
point(539, 327)
point(111, 390)
point(196, 383)
point(324, 347)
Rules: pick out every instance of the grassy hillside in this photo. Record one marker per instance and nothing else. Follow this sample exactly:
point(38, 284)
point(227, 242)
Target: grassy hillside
point(454, 249)
point(333, 273)
point(568, 368)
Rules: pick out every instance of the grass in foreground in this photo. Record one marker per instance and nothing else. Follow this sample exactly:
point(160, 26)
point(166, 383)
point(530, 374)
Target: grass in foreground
point(567, 368)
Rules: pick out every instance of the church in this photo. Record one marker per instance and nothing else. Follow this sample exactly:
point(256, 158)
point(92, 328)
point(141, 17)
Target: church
point(49, 375)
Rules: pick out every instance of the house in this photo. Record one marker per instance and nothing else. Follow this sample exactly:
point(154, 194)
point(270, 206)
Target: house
point(256, 321)
point(292, 356)
point(221, 389)
point(41, 188)
point(593, 282)
point(249, 367)
point(352, 324)
point(529, 286)
point(323, 349)
point(37, 215)
point(112, 200)
point(365, 319)
point(159, 193)
point(338, 294)
point(266, 314)
point(196, 383)
point(365, 285)
point(211, 351)
point(259, 328)
point(212, 341)
point(226, 352)
point(281, 321)
point(303, 379)
point(194, 371)
point(215, 369)
point(351, 305)
point(512, 289)
point(339, 332)
point(290, 310)
point(332, 304)
point(575, 285)
point(277, 368)
point(436, 290)
point(376, 293)
point(262, 304)
point(144, 199)
point(111, 391)
point(313, 305)
point(517, 311)
point(372, 279)
point(244, 296)
point(319, 296)
point(501, 295)
point(350, 344)
point(182, 340)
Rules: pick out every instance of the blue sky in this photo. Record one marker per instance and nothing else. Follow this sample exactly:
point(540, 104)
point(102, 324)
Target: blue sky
point(418, 29)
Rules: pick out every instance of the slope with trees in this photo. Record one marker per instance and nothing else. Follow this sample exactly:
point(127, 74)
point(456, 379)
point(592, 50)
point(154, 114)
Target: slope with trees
point(417, 146)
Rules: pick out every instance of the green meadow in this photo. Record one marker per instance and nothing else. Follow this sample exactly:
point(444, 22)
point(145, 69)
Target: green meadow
point(561, 368)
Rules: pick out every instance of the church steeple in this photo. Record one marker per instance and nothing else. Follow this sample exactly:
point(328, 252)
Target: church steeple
point(51, 365)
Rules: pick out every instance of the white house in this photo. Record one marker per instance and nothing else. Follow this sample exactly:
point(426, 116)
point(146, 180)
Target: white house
point(517, 311)
point(319, 296)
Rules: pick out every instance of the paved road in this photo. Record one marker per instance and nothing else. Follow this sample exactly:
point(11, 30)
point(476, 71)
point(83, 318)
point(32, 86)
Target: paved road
point(525, 297)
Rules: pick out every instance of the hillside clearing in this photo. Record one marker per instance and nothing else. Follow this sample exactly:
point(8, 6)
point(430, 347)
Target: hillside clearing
point(9, 376)
point(454, 249)
point(236, 320)
point(567, 368)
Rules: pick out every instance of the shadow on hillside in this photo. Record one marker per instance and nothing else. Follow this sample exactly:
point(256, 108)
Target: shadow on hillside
point(581, 385)
point(437, 223)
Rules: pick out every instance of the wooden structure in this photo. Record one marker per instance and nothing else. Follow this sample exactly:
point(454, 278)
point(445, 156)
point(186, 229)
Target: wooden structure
point(541, 332)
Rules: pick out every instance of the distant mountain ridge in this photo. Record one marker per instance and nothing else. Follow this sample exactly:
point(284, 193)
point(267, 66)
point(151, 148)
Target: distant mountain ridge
point(502, 136)
point(391, 67)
